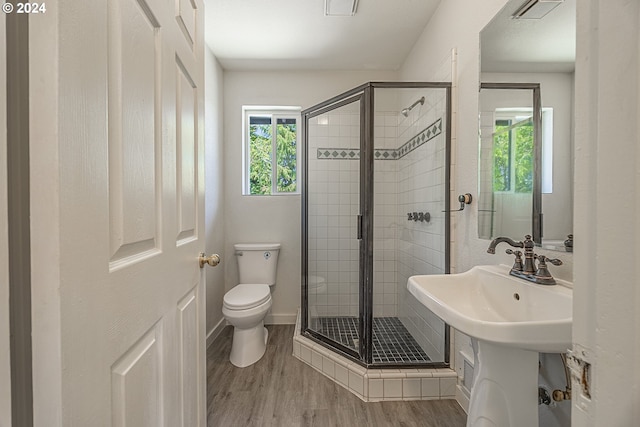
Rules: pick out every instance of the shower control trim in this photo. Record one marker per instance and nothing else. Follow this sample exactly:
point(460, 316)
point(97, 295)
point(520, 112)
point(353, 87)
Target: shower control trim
point(419, 216)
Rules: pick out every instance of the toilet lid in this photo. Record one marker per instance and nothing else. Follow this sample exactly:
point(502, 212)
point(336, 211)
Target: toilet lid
point(245, 296)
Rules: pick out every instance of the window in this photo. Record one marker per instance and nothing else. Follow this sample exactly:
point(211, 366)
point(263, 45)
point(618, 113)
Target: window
point(513, 155)
point(513, 151)
point(271, 151)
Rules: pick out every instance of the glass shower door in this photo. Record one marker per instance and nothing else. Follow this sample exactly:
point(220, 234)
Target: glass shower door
point(332, 200)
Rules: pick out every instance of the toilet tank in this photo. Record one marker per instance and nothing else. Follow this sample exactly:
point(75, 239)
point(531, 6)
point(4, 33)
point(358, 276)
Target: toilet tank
point(257, 262)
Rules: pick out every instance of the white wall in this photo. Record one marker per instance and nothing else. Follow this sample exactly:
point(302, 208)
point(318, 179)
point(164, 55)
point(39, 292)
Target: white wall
point(5, 362)
point(214, 195)
point(607, 205)
point(272, 218)
point(457, 24)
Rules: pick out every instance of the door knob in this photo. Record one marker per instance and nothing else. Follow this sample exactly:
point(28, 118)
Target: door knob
point(212, 260)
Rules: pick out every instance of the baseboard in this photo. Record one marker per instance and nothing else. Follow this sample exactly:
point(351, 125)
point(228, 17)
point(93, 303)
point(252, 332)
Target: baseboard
point(215, 331)
point(462, 398)
point(280, 319)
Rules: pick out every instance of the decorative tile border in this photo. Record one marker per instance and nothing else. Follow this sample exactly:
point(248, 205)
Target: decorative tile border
point(338, 153)
point(426, 135)
point(373, 385)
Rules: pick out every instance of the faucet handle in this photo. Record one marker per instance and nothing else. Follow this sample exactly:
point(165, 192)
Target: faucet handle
point(543, 276)
point(517, 264)
point(543, 260)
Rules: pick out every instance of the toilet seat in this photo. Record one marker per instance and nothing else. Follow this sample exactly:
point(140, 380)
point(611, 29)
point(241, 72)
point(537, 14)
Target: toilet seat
point(246, 296)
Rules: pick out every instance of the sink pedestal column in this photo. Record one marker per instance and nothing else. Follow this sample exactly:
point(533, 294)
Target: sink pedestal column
point(505, 388)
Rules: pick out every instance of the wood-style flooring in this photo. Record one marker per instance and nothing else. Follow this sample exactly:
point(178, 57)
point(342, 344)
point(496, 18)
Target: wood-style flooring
point(281, 391)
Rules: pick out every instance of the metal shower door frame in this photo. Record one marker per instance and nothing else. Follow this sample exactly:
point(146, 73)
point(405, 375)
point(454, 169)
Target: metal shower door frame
point(365, 95)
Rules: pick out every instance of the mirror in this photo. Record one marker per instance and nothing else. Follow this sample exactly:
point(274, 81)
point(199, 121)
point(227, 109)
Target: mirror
point(526, 165)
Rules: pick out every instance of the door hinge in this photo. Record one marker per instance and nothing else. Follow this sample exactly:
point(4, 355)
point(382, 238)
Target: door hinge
point(359, 225)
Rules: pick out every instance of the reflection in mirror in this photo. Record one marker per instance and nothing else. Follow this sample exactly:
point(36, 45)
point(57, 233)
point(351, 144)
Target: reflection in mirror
point(506, 179)
point(538, 51)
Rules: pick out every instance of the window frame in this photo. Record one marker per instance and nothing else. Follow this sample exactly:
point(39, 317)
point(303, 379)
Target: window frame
point(275, 113)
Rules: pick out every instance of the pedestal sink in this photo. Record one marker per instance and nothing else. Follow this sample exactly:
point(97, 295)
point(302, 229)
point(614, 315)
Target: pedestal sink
point(510, 321)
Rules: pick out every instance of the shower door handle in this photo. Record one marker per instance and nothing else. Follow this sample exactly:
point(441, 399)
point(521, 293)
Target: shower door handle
point(359, 225)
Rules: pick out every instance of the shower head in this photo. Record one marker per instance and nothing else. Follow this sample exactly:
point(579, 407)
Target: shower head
point(405, 111)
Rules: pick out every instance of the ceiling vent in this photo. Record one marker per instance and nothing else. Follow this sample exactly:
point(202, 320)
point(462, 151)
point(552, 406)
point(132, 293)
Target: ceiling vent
point(535, 9)
point(340, 7)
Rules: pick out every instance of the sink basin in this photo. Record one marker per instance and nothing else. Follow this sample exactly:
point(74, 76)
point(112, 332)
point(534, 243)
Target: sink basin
point(509, 321)
point(489, 304)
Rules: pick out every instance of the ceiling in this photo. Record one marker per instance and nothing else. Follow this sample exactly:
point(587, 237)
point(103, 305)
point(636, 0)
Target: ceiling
point(295, 34)
point(530, 45)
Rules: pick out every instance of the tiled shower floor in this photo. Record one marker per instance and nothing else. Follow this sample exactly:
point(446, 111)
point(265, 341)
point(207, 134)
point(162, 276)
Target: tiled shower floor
point(392, 343)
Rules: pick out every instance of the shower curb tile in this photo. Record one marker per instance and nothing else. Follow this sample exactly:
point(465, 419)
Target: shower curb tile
point(358, 369)
point(373, 374)
point(322, 350)
point(342, 376)
point(392, 375)
point(305, 354)
point(328, 367)
point(341, 361)
point(356, 383)
point(417, 375)
point(449, 373)
point(392, 388)
point(430, 387)
point(411, 388)
point(376, 389)
point(316, 360)
point(448, 387)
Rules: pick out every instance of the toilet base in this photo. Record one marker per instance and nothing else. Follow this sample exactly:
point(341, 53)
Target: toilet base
point(248, 345)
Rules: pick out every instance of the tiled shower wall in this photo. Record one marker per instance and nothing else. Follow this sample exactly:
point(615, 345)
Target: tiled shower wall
point(409, 177)
point(385, 220)
point(421, 245)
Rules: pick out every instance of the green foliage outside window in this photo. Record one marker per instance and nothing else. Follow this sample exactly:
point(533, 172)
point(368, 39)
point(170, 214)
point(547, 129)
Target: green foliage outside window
point(286, 155)
point(513, 156)
point(524, 158)
point(502, 156)
point(260, 159)
point(260, 155)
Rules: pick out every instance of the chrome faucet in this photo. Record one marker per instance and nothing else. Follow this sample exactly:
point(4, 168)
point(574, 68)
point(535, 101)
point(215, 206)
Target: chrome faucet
point(528, 270)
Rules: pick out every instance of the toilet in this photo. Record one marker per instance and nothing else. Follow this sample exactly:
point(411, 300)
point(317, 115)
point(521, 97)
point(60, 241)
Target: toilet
point(246, 305)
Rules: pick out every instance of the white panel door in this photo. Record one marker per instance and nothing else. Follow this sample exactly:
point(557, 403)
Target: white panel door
point(130, 140)
point(5, 367)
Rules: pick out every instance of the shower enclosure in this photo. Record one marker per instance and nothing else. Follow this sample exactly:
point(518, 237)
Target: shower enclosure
point(375, 187)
